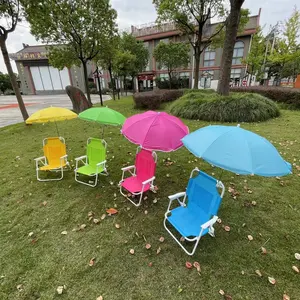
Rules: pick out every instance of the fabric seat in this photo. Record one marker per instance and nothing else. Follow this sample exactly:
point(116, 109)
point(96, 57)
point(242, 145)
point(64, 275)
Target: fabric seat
point(197, 212)
point(143, 176)
point(54, 159)
point(134, 185)
point(89, 170)
point(188, 222)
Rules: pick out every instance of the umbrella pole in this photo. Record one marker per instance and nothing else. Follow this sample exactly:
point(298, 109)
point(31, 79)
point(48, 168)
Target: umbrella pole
point(102, 131)
point(56, 129)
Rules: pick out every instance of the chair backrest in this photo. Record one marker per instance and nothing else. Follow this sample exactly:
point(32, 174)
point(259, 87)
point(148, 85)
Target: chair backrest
point(96, 151)
point(145, 165)
point(203, 194)
point(54, 148)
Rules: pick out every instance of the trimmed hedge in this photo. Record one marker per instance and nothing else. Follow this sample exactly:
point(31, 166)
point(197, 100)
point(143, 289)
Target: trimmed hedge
point(153, 99)
point(288, 96)
point(236, 107)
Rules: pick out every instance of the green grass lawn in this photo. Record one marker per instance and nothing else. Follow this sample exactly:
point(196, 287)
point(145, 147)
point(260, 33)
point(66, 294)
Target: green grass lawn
point(49, 259)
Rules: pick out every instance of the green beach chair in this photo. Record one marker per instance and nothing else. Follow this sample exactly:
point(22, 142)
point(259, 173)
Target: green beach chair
point(93, 162)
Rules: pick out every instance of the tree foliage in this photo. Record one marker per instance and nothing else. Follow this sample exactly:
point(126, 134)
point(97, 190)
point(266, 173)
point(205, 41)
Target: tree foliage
point(11, 13)
point(171, 56)
point(77, 27)
point(255, 57)
point(285, 59)
point(192, 18)
point(5, 83)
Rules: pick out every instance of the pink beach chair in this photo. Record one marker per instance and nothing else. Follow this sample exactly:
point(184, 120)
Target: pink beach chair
point(142, 175)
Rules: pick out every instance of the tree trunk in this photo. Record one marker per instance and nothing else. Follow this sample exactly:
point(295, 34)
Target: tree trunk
point(13, 79)
point(230, 38)
point(112, 81)
point(196, 70)
point(86, 81)
point(125, 86)
point(170, 80)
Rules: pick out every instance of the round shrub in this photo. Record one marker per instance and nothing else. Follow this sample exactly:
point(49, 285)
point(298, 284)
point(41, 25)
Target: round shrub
point(237, 107)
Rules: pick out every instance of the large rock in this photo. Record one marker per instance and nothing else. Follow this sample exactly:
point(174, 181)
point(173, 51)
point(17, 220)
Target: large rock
point(79, 101)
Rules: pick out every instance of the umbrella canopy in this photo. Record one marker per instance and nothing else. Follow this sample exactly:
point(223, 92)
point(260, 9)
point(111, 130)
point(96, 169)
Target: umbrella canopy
point(155, 131)
point(237, 150)
point(51, 114)
point(103, 115)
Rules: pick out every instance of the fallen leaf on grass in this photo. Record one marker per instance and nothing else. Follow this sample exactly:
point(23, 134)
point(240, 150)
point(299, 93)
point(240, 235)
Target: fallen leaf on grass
point(219, 220)
point(182, 239)
point(197, 266)
point(146, 212)
point(82, 226)
point(250, 237)
point(117, 226)
point(161, 239)
point(286, 297)
point(188, 265)
point(44, 203)
point(96, 221)
point(99, 298)
point(150, 264)
point(30, 234)
point(253, 203)
point(103, 216)
point(20, 287)
point(64, 232)
point(227, 228)
point(60, 289)
point(295, 269)
point(90, 214)
point(227, 297)
point(272, 280)
point(112, 211)
point(221, 292)
point(158, 250)
point(131, 251)
point(258, 273)
point(297, 256)
point(250, 191)
point(155, 188)
point(263, 250)
point(92, 261)
point(148, 246)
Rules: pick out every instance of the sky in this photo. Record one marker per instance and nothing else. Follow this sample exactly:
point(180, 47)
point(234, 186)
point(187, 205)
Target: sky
point(143, 11)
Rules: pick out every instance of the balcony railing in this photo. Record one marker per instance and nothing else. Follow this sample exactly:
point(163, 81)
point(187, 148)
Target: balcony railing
point(151, 28)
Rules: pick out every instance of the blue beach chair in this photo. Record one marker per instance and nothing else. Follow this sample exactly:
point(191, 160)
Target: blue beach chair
point(197, 212)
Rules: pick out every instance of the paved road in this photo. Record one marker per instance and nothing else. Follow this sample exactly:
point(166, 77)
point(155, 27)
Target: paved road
point(10, 112)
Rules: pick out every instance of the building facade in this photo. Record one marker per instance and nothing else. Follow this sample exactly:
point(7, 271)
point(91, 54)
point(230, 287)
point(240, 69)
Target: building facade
point(37, 77)
point(210, 59)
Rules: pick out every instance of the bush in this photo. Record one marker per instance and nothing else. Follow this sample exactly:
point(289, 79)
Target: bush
point(236, 107)
point(93, 91)
point(9, 92)
point(153, 99)
point(288, 96)
point(105, 91)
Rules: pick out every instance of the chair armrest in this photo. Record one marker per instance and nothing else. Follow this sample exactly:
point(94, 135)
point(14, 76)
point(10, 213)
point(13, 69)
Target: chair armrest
point(101, 163)
point(40, 158)
point(176, 196)
point(148, 180)
point(80, 157)
point(212, 221)
point(128, 168)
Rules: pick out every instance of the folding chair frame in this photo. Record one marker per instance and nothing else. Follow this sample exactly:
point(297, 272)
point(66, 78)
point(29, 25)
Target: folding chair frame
point(43, 160)
point(144, 183)
point(83, 159)
point(209, 224)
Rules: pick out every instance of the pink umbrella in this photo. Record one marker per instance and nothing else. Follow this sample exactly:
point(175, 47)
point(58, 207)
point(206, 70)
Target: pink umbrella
point(155, 131)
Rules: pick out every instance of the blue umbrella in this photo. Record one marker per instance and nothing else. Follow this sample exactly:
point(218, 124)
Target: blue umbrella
point(237, 150)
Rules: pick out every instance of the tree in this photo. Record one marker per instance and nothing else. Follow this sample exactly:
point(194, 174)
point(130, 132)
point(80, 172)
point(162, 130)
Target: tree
point(124, 65)
point(107, 56)
point(76, 27)
point(255, 57)
point(129, 43)
point(5, 83)
point(192, 18)
point(286, 49)
point(11, 12)
point(232, 24)
point(171, 56)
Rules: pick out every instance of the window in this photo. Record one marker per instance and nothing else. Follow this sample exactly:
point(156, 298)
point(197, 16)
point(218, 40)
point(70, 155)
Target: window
point(164, 76)
point(209, 57)
point(238, 53)
point(184, 74)
point(235, 73)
